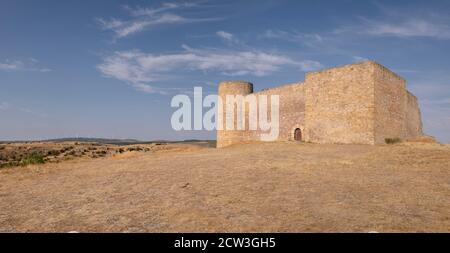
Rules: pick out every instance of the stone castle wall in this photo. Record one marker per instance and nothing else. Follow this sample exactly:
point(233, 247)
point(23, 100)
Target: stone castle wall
point(291, 111)
point(397, 112)
point(339, 105)
point(414, 126)
point(361, 103)
point(390, 103)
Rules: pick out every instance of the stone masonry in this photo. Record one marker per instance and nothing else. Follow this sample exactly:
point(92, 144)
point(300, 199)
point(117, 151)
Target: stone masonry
point(362, 103)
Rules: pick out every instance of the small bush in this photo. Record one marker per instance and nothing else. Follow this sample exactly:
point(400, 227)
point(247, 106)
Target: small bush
point(53, 152)
point(392, 140)
point(101, 153)
point(9, 164)
point(72, 153)
point(34, 158)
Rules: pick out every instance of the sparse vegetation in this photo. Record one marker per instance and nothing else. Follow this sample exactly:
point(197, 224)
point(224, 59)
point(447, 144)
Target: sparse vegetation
point(24, 153)
point(392, 140)
point(34, 158)
point(9, 164)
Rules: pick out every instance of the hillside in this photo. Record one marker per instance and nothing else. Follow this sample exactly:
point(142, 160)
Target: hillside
point(273, 187)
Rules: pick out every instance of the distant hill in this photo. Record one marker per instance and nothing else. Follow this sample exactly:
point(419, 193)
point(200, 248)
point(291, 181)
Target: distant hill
point(99, 140)
point(108, 141)
point(81, 139)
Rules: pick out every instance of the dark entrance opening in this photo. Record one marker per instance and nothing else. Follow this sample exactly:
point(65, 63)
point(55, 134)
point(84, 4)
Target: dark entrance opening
point(298, 134)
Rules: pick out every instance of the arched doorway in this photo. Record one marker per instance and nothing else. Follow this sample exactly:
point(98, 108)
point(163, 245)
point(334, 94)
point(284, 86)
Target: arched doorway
point(298, 134)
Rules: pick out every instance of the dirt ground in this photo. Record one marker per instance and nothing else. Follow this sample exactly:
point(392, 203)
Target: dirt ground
point(271, 187)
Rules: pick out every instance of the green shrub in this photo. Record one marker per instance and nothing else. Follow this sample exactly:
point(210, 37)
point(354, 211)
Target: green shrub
point(9, 164)
point(392, 140)
point(34, 158)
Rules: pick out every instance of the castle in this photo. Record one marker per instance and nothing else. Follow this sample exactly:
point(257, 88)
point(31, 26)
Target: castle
point(362, 103)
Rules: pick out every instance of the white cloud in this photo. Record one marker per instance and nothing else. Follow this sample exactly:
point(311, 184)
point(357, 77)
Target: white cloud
point(230, 39)
point(141, 69)
point(145, 18)
point(323, 43)
point(29, 64)
point(225, 35)
point(359, 58)
point(404, 28)
point(153, 11)
point(125, 28)
point(309, 39)
point(410, 28)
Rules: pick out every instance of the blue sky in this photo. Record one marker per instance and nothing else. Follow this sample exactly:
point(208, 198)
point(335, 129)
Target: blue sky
point(110, 68)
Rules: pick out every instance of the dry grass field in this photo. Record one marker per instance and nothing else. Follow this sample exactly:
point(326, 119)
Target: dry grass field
point(271, 187)
point(26, 153)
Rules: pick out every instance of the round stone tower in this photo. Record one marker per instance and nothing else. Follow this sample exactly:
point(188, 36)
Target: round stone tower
point(228, 137)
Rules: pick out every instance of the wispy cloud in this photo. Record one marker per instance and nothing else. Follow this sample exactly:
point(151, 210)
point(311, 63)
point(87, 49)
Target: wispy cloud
point(359, 58)
point(319, 43)
point(293, 36)
point(228, 38)
point(402, 23)
point(4, 106)
point(402, 29)
point(33, 112)
point(153, 11)
point(142, 69)
point(410, 28)
point(314, 41)
point(29, 64)
point(141, 19)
